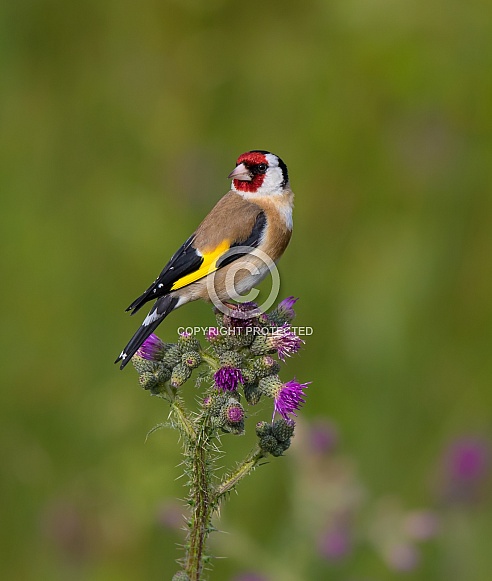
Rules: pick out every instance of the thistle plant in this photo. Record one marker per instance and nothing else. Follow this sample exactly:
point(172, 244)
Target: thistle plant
point(237, 366)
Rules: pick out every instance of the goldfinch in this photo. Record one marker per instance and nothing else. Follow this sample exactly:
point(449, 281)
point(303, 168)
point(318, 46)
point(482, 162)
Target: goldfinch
point(255, 214)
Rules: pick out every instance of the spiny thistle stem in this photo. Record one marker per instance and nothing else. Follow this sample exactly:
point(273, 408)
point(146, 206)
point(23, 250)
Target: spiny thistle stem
point(185, 424)
point(243, 469)
point(202, 510)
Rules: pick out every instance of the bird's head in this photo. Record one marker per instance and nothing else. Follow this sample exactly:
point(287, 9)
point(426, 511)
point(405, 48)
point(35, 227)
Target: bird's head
point(259, 172)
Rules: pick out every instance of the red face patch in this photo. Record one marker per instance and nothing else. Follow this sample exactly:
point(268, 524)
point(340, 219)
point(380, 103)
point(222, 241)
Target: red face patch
point(250, 160)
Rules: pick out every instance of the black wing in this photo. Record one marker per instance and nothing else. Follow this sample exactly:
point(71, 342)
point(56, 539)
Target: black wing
point(185, 261)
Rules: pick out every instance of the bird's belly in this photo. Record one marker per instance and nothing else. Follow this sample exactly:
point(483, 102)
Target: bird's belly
point(237, 278)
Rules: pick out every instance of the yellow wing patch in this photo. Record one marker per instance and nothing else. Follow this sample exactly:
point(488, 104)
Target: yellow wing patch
point(208, 265)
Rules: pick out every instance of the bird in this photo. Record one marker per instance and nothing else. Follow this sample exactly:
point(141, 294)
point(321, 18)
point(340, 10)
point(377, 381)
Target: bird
point(256, 213)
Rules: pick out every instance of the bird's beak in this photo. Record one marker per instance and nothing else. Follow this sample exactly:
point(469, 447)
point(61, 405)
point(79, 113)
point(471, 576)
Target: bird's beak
point(241, 172)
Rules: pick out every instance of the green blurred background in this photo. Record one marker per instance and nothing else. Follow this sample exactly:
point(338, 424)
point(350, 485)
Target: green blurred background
point(119, 124)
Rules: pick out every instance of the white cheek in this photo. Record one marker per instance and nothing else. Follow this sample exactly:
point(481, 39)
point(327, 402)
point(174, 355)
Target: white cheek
point(272, 184)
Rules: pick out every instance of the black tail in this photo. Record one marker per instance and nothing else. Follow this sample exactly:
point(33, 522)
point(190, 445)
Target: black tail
point(157, 314)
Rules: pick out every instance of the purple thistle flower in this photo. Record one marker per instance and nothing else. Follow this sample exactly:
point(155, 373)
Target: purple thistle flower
point(285, 307)
point(289, 398)
point(152, 348)
point(285, 341)
point(226, 378)
point(242, 316)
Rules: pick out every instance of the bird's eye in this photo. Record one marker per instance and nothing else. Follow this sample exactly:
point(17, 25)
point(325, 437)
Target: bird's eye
point(261, 167)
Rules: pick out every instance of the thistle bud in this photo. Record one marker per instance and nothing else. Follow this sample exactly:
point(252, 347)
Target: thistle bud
point(251, 393)
point(262, 345)
point(162, 373)
point(265, 366)
point(180, 374)
point(191, 359)
point(268, 444)
point(148, 380)
point(249, 374)
point(180, 576)
point(172, 356)
point(263, 429)
point(270, 385)
point(284, 445)
point(188, 342)
point(222, 343)
point(230, 359)
point(219, 317)
point(142, 365)
point(283, 429)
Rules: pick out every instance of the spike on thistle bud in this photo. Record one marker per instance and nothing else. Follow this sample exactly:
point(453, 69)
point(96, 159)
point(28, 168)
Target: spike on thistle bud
point(219, 317)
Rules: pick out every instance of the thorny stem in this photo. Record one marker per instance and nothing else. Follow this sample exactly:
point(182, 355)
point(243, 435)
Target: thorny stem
point(184, 421)
point(202, 509)
point(241, 471)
